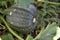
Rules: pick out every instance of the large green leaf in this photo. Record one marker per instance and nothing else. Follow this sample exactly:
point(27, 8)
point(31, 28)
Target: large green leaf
point(48, 33)
point(23, 3)
point(7, 37)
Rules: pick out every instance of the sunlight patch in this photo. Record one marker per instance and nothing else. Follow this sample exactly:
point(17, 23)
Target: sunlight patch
point(57, 34)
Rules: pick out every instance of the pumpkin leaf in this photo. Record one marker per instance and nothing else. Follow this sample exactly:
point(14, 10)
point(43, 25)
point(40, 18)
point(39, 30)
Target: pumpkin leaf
point(7, 37)
point(23, 3)
point(48, 33)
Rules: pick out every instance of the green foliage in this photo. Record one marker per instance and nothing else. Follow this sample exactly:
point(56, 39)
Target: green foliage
point(23, 3)
point(48, 10)
point(29, 37)
point(5, 4)
point(7, 37)
point(48, 33)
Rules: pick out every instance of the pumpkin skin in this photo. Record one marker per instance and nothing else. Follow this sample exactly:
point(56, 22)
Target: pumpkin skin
point(23, 20)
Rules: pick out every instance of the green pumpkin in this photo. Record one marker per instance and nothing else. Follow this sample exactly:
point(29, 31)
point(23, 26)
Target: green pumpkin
point(23, 20)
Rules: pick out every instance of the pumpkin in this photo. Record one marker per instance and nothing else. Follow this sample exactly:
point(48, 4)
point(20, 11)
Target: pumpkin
point(23, 20)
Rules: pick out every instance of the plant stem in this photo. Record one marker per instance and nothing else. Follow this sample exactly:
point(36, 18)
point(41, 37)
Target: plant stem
point(39, 35)
point(55, 3)
point(10, 29)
